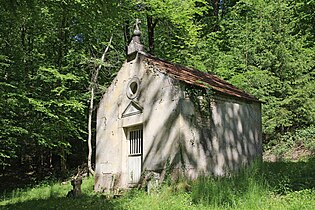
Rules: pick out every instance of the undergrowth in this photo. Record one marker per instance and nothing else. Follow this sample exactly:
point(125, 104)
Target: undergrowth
point(294, 145)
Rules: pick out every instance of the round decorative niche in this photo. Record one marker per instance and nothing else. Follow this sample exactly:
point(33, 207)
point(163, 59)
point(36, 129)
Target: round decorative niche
point(133, 87)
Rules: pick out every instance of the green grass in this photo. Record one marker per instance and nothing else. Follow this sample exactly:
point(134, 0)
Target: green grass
point(282, 185)
point(246, 188)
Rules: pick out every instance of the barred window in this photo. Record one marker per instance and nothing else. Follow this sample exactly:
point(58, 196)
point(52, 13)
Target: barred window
point(135, 142)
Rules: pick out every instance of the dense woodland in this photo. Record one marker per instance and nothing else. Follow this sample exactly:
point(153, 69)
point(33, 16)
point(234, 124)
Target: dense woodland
point(50, 51)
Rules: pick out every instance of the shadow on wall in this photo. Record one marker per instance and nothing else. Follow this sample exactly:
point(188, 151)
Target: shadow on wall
point(238, 132)
point(224, 140)
point(166, 137)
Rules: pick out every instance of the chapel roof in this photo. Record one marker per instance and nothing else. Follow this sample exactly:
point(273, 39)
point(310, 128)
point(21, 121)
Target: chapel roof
point(198, 78)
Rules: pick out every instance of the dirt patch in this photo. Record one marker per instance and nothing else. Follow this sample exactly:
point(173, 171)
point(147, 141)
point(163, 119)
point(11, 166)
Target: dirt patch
point(300, 153)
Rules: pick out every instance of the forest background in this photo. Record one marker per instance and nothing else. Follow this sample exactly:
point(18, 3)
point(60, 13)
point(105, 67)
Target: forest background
point(50, 49)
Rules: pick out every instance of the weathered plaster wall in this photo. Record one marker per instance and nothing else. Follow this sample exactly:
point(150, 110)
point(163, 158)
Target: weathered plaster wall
point(110, 135)
point(224, 140)
point(237, 133)
point(195, 150)
point(161, 118)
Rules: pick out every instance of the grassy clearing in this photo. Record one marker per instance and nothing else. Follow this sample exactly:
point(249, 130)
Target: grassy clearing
point(282, 185)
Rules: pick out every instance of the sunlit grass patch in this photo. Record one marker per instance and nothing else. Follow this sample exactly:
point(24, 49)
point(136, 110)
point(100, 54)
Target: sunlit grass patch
point(303, 199)
point(44, 191)
point(164, 198)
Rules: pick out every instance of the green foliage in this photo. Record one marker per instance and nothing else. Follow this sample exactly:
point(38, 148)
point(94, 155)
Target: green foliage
point(46, 49)
point(4, 61)
point(177, 30)
point(290, 144)
point(201, 98)
point(306, 138)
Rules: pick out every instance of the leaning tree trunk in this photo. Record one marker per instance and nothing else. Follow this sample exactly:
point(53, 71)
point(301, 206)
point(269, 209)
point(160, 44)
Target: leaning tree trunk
point(91, 107)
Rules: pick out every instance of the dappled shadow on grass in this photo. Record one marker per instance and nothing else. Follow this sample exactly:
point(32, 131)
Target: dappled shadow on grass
point(290, 176)
point(82, 202)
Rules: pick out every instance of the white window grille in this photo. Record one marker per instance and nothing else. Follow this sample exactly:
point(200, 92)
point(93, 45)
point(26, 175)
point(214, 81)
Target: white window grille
point(135, 142)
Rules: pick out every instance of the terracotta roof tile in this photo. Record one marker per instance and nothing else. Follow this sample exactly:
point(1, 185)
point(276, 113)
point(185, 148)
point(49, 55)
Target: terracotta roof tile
point(198, 78)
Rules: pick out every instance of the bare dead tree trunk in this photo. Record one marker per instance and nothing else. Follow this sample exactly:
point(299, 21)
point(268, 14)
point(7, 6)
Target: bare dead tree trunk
point(90, 131)
point(92, 89)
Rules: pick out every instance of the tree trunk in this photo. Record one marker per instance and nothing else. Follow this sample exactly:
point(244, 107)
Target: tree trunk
point(151, 25)
point(90, 131)
point(127, 37)
point(63, 165)
point(92, 89)
point(215, 4)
